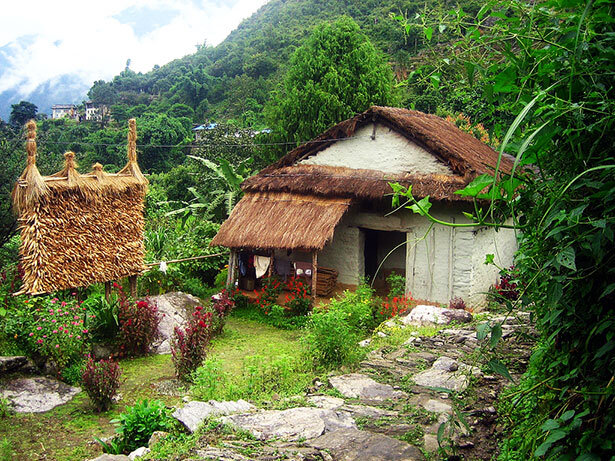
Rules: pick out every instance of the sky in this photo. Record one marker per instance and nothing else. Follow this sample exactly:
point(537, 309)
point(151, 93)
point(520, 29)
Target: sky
point(41, 40)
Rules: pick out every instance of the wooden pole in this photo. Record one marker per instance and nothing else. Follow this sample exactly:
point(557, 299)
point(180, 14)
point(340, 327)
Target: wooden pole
point(132, 281)
point(230, 277)
point(107, 291)
point(314, 273)
point(270, 270)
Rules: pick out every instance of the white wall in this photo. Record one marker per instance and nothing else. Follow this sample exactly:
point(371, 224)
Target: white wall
point(344, 253)
point(389, 152)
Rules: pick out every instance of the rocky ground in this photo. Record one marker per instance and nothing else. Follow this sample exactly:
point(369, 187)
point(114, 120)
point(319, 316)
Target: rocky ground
point(432, 397)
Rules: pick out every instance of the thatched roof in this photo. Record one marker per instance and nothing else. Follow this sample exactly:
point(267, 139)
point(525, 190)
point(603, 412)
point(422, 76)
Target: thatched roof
point(78, 229)
point(465, 155)
point(279, 220)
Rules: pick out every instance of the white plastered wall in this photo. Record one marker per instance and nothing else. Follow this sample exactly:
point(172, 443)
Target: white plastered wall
point(389, 152)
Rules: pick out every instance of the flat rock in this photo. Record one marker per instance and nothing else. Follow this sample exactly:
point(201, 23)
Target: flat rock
point(220, 454)
point(12, 363)
point(367, 411)
point(177, 308)
point(355, 445)
point(356, 385)
point(447, 373)
point(292, 424)
point(432, 315)
point(325, 401)
point(195, 412)
point(138, 453)
point(37, 394)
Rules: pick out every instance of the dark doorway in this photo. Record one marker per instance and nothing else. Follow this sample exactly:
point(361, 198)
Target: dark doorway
point(371, 254)
point(384, 252)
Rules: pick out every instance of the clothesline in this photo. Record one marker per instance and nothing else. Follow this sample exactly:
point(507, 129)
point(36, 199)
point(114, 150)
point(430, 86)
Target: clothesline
point(185, 259)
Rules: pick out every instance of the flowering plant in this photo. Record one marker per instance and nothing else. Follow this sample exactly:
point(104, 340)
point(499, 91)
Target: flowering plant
point(189, 346)
point(222, 304)
point(54, 329)
point(508, 288)
point(268, 294)
point(397, 305)
point(298, 300)
point(101, 381)
point(138, 324)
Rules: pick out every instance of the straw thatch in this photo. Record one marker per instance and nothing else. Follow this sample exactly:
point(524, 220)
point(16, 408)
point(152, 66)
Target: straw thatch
point(465, 155)
point(278, 220)
point(79, 229)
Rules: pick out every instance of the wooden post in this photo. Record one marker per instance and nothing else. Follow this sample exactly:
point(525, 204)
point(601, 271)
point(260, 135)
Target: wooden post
point(107, 291)
point(132, 281)
point(230, 278)
point(314, 273)
point(270, 270)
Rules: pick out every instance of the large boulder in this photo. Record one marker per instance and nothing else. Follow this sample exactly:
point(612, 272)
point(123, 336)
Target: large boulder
point(448, 374)
point(430, 315)
point(9, 364)
point(177, 308)
point(195, 412)
point(37, 395)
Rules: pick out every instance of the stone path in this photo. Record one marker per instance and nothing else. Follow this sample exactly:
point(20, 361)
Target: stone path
point(390, 409)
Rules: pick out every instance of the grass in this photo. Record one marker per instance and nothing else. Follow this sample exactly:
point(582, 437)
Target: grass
point(67, 431)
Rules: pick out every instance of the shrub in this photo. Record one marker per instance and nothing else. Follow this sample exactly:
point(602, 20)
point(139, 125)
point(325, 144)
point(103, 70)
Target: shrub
point(358, 308)
point(395, 306)
point(139, 422)
point(268, 294)
point(331, 339)
point(101, 380)
point(508, 287)
point(189, 346)
point(222, 304)
point(73, 373)
point(397, 285)
point(102, 320)
point(138, 324)
point(298, 301)
point(457, 303)
point(210, 381)
point(50, 329)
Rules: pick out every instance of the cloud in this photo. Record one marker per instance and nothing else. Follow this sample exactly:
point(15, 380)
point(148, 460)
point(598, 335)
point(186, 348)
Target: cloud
point(93, 40)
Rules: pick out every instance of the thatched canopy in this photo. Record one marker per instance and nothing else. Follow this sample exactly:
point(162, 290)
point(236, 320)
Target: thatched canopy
point(465, 155)
point(78, 229)
point(279, 220)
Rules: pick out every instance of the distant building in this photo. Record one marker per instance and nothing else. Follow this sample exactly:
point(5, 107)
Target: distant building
point(198, 130)
point(64, 111)
point(95, 111)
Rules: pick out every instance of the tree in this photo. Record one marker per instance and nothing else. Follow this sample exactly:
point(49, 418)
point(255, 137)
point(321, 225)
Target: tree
point(334, 75)
point(22, 112)
point(161, 140)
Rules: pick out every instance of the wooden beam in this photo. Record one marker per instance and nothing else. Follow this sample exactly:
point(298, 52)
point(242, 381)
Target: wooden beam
point(107, 291)
point(314, 273)
point(270, 270)
point(132, 281)
point(230, 277)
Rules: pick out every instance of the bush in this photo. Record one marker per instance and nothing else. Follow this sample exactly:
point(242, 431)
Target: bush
point(189, 347)
point(397, 285)
point(139, 422)
point(358, 308)
point(299, 300)
point(73, 373)
point(50, 329)
point(138, 324)
point(508, 288)
point(267, 296)
point(395, 306)
point(102, 320)
point(222, 304)
point(332, 340)
point(210, 381)
point(457, 303)
point(101, 380)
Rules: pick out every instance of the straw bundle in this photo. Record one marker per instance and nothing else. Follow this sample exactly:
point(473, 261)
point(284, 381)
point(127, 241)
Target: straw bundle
point(79, 229)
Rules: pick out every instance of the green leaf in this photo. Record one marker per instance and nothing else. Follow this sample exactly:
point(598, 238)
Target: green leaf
point(474, 188)
point(482, 330)
point(440, 435)
point(566, 258)
point(549, 425)
point(554, 293)
point(442, 28)
point(505, 81)
point(567, 415)
point(554, 437)
point(496, 335)
point(489, 258)
point(435, 80)
point(470, 71)
point(422, 206)
point(428, 32)
point(498, 367)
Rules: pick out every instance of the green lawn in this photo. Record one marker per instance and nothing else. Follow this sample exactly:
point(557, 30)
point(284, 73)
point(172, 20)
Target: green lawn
point(67, 432)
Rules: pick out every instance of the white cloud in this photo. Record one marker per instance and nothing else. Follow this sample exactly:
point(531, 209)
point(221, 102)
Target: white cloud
point(84, 38)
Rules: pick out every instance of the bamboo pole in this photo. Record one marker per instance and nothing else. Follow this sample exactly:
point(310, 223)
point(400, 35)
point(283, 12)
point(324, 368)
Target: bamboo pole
point(314, 273)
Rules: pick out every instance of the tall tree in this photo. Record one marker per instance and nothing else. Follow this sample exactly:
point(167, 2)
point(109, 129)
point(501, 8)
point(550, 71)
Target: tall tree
point(334, 75)
point(22, 112)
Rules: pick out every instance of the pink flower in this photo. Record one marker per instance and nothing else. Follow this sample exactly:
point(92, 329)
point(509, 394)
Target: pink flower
point(55, 331)
point(31, 334)
point(62, 304)
point(76, 317)
point(74, 294)
point(78, 336)
point(54, 321)
point(57, 346)
point(53, 301)
point(59, 310)
point(85, 331)
point(40, 341)
point(39, 328)
point(70, 336)
point(44, 336)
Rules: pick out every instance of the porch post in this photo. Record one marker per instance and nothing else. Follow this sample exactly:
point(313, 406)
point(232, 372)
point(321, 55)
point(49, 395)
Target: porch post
point(230, 277)
point(270, 270)
point(107, 291)
point(132, 281)
point(314, 273)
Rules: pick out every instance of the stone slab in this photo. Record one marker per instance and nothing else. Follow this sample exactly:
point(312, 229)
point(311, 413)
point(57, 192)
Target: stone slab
point(37, 394)
point(195, 412)
point(356, 385)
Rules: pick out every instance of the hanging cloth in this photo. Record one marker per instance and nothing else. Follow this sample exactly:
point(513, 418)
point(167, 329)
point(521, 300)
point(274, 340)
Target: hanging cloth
point(261, 264)
point(303, 270)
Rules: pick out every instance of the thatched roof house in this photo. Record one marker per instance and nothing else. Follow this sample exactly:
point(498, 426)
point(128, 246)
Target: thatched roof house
point(329, 196)
point(79, 229)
